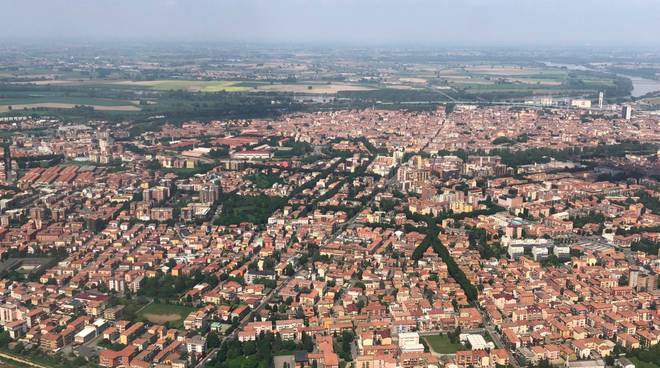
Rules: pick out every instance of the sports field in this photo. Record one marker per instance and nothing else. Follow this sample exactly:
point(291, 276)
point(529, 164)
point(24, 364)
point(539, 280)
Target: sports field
point(441, 344)
point(162, 313)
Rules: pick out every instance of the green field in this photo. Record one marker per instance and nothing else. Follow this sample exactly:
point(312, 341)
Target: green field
point(441, 344)
point(165, 313)
point(640, 364)
point(63, 100)
point(188, 85)
point(254, 209)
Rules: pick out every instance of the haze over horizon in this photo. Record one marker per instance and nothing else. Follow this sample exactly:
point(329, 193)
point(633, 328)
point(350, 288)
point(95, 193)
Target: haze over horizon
point(419, 22)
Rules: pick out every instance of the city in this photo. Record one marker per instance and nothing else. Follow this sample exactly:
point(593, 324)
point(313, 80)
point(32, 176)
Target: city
point(300, 207)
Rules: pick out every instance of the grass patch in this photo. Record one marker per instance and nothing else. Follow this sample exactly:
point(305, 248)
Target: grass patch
point(38, 357)
point(264, 181)
point(441, 344)
point(254, 209)
point(640, 364)
point(165, 313)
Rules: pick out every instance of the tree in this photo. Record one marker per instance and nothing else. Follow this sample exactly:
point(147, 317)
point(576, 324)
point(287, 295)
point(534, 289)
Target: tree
point(212, 340)
point(307, 342)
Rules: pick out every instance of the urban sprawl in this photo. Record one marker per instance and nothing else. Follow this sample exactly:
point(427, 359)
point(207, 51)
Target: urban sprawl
point(469, 236)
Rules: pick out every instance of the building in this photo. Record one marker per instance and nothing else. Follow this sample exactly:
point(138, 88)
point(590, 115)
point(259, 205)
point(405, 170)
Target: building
point(601, 97)
point(626, 113)
point(131, 332)
point(586, 364)
point(8, 313)
point(209, 193)
point(196, 344)
point(624, 363)
point(477, 342)
point(111, 358)
point(156, 194)
point(7, 162)
point(85, 335)
point(515, 251)
point(539, 253)
point(161, 213)
point(581, 103)
point(409, 343)
point(253, 275)
point(561, 251)
point(262, 154)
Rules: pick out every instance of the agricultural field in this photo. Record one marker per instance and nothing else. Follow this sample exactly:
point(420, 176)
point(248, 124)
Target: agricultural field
point(501, 81)
point(313, 87)
point(115, 95)
point(308, 87)
point(247, 86)
point(64, 102)
point(186, 85)
point(165, 313)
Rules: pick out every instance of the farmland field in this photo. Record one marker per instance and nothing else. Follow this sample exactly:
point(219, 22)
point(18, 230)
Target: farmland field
point(237, 86)
point(186, 85)
point(57, 105)
point(64, 102)
point(213, 86)
point(302, 87)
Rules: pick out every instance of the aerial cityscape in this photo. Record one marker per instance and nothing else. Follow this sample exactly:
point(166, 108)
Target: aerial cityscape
point(349, 184)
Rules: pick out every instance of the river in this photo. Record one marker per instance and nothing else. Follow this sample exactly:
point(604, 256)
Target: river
point(641, 86)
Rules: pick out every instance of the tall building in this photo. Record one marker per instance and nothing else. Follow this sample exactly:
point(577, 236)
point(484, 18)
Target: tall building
point(6, 155)
point(627, 112)
point(601, 96)
point(209, 193)
point(156, 194)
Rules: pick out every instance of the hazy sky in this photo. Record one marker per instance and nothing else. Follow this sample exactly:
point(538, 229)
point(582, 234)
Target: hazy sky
point(434, 22)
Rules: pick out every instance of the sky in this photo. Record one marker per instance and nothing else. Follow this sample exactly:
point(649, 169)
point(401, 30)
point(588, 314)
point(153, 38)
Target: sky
point(399, 22)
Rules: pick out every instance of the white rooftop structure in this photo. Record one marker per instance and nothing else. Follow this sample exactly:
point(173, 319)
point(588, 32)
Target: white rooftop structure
point(409, 342)
point(477, 342)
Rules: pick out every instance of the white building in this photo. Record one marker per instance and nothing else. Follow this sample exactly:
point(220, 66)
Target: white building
point(539, 253)
point(85, 335)
point(196, 344)
point(477, 342)
point(581, 103)
point(515, 251)
point(627, 112)
point(561, 251)
point(409, 343)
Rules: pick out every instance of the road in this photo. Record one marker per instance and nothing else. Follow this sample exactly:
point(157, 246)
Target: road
point(352, 220)
point(250, 316)
point(247, 319)
point(497, 339)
